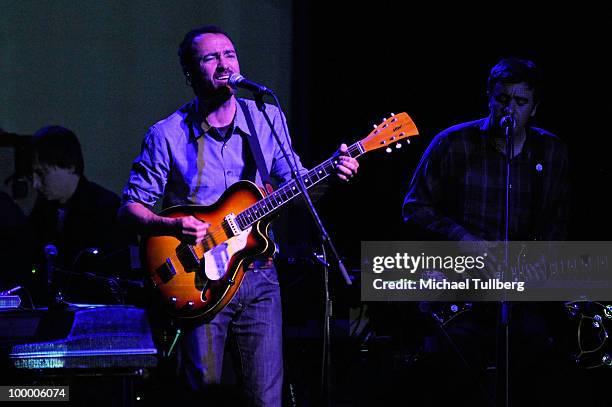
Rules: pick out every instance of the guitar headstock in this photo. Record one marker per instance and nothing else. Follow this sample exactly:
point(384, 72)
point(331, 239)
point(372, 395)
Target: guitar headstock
point(396, 128)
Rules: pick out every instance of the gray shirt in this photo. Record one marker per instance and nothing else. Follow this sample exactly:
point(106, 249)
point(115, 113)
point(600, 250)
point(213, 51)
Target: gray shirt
point(184, 164)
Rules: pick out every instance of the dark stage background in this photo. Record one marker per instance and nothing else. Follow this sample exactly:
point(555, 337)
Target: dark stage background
point(352, 71)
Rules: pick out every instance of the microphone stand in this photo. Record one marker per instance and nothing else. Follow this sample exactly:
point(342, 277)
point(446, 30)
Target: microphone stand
point(323, 235)
point(502, 368)
point(55, 298)
point(326, 369)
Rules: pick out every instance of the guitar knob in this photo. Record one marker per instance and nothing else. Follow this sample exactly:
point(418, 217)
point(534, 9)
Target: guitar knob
point(190, 304)
point(388, 150)
point(173, 300)
point(607, 359)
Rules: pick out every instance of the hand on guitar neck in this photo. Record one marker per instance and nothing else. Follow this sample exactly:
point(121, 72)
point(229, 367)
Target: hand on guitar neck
point(347, 166)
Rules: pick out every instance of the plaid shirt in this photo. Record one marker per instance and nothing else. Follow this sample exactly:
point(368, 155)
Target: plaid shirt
point(458, 189)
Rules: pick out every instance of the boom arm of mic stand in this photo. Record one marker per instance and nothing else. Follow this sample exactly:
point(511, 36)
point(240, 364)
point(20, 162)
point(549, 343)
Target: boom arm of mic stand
point(300, 182)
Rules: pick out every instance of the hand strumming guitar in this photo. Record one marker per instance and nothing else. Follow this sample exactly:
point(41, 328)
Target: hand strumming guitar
point(190, 229)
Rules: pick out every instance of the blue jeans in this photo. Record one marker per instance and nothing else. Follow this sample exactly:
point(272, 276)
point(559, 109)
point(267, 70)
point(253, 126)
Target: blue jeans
point(253, 323)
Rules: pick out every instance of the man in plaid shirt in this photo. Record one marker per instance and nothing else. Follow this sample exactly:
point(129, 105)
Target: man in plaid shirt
point(458, 190)
point(458, 193)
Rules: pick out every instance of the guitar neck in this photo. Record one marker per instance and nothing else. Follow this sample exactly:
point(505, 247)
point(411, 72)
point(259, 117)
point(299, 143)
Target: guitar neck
point(577, 267)
point(273, 202)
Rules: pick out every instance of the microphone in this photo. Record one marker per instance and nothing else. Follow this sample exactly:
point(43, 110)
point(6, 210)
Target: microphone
point(507, 122)
point(238, 81)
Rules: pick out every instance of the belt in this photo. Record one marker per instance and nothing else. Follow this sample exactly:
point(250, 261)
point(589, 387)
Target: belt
point(261, 263)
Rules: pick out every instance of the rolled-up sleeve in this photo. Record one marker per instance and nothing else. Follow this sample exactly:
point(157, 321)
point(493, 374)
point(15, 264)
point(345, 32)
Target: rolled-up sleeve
point(149, 172)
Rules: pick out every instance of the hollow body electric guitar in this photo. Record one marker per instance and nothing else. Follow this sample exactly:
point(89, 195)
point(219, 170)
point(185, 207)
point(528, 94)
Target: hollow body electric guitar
point(197, 281)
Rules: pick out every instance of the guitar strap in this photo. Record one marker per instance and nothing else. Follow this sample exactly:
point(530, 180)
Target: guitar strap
point(256, 148)
point(537, 192)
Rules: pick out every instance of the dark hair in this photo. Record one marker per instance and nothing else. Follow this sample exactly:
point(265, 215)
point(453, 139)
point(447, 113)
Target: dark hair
point(515, 70)
point(185, 50)
point(58, 146)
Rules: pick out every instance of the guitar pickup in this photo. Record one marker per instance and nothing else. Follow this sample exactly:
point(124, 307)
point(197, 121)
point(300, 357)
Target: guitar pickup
point(188, 257)
point(165, 272)
point(230, 226)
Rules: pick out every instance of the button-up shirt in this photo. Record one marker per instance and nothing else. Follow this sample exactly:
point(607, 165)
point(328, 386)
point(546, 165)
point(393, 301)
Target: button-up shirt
point(459, 188)
point(185, 164)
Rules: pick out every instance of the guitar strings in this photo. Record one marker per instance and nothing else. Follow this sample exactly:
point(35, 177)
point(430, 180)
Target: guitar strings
point(217, 233)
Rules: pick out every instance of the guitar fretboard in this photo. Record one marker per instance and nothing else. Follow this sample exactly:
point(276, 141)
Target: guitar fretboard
point(290, 190)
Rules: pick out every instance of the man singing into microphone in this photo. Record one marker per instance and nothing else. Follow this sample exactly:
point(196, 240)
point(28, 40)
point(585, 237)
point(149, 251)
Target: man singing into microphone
point(192, 157)
point(458, 191)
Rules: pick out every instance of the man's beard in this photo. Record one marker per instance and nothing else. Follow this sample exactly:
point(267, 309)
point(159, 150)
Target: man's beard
point(207, 91)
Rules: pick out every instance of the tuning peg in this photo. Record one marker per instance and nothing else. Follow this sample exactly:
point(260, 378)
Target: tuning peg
point(375, 126)
point(407, 141)
point(392, 114)
point(398, 145)
point(388, 150)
